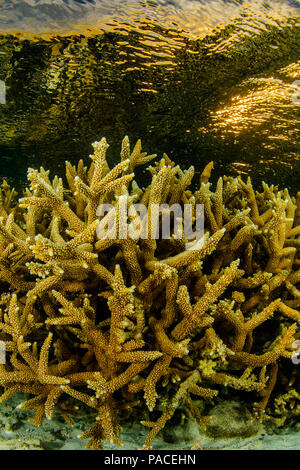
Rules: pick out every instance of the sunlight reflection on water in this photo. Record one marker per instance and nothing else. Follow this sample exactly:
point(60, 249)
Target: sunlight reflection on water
point(199, 80)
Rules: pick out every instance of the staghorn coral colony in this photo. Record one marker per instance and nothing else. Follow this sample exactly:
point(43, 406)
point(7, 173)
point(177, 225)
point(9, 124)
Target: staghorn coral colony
point(146, 324)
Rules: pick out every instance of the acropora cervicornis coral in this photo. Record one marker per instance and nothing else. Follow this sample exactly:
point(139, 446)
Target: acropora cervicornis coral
point(110, 322)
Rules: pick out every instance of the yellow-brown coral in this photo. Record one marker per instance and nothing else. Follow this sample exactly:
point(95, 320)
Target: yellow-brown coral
point(110, 321)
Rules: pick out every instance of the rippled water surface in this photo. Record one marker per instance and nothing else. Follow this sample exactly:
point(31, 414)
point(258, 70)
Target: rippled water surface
point(199, 80)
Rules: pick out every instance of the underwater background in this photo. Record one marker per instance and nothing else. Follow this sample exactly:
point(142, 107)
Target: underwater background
point(199, 80)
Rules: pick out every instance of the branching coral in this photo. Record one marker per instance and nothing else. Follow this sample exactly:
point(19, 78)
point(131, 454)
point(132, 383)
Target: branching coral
point(111, 321)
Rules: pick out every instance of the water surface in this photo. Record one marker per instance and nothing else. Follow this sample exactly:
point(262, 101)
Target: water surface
point(199, 80)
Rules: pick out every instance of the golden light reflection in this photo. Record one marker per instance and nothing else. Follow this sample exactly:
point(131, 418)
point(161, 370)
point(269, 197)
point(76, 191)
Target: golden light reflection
point(264, 105)
point(240, 168)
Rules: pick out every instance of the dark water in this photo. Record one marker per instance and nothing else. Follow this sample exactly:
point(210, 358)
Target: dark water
point(199, 80)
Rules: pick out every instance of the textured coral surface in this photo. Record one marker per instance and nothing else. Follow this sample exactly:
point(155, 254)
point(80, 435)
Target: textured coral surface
point(140, 325)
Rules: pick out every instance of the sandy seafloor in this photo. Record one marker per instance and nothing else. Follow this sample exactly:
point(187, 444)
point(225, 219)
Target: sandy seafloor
point(230, 428)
